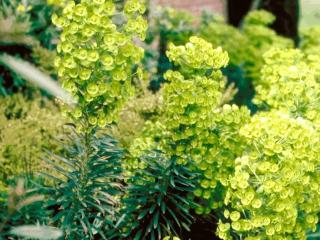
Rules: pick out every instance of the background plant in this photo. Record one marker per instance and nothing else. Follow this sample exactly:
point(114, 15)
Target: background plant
point(20, 211)
point(27, 32)
point(24, 133)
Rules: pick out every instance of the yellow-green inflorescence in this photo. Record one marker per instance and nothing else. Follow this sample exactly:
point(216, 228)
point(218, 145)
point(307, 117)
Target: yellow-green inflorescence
point(288, 83)
point(197, 127)
point(96, 54)
point(274, 192)
point(192, 94)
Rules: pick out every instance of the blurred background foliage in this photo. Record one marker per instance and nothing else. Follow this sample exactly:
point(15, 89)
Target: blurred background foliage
point(26, 31)
point(27, 127)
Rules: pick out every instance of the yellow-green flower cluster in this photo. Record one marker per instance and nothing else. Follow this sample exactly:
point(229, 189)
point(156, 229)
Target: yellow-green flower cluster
point(259, 17)
point(96, 54)
point(197, 55)
point(218, 163)
point(58, 3)
point(197, 127)
point(191, 96)
point(288, 84)
point(275, 189)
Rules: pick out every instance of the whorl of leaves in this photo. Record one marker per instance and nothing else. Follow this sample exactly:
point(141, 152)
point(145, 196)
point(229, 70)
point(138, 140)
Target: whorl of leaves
point(158, 199)
point(85, 186)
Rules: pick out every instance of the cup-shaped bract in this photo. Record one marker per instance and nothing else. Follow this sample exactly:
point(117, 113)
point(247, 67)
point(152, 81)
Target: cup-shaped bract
point(288, 84)
point(96, 54)
point(275, 189)
point(198, 127)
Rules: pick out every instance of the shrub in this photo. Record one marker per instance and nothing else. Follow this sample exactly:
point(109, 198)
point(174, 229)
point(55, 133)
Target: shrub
point(190, 155)
point(24, 133)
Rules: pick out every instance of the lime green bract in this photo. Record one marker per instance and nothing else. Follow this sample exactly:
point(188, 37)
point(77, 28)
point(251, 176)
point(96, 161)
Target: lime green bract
point(274, 191)
point(198, 128)
point(191, 96)
point(288, 84)
point(96, 54)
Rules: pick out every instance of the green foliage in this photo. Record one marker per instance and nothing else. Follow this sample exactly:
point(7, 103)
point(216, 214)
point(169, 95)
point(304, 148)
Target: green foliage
point(24, 133)
point(21, 206)
point(189, 149)
point(85, 186)
point(261, 38)
point(310, 37)
point(274, 191)
point(142, 110)
point(174, 25)
point(96, 56)
point(310, 45)
point(253, 40)
point(157, 202)
point(34, 17)
point(44, 59)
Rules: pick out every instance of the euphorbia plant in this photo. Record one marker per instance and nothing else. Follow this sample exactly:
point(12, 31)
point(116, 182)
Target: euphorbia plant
point(274, 191)
point(197, 142)
point(95, 59)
